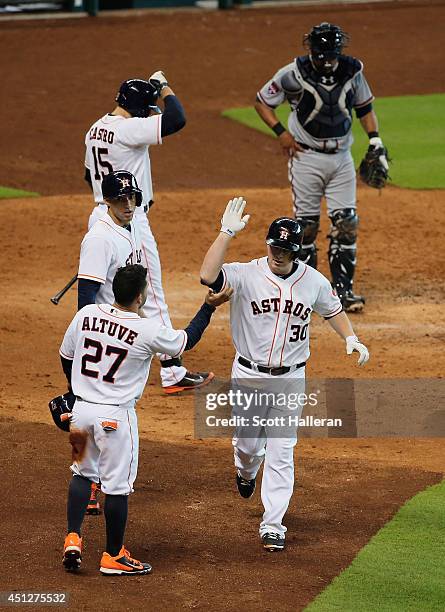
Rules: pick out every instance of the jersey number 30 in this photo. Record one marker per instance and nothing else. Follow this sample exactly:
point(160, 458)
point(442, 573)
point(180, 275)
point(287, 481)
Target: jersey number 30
point(97, 358)
point(299, 332)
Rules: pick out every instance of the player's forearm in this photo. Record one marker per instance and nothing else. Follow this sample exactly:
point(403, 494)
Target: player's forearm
point(86, 292)
point(67, 366)
point(369, 122)
point(267, 114)
point(173, 117)
point(214, 259)
point(198, 325)
point(166, 91)
point(342, 325)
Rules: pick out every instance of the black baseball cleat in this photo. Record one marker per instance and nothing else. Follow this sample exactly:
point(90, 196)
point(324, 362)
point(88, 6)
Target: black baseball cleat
point(246, 488)
point(273, 542)
point(191, 381)
point(352, 302)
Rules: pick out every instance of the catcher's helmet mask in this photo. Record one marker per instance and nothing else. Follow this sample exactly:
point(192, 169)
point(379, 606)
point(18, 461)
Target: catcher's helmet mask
point(120, 184)
point(325, 41)
point(287, 234)
point(138, 97)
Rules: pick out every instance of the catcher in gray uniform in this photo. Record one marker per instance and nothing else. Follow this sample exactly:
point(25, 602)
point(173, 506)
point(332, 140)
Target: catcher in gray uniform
point(322, 89)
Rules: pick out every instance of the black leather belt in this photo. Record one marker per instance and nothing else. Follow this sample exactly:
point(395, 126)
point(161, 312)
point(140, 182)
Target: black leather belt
point(80, 399)
point(327, 151)
point(266, 370)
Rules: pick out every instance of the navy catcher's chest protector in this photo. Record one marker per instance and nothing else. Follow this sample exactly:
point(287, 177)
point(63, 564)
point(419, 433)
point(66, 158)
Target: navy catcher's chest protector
point(325, 108)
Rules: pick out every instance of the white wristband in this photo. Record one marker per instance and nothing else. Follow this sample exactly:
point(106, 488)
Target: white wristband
point(229, 232)
point(376, 141)
point(351, 339)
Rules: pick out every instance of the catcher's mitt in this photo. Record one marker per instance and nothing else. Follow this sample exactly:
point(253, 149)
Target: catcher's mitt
point(374, 167)
point(61, 408)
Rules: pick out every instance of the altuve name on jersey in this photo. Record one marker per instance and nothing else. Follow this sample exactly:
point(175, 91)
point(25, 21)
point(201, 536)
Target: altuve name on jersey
point(102, 134)
point(115, 330)
point(274, 305)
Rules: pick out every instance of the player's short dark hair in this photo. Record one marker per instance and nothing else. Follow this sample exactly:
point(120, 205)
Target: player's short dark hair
point(128, 283)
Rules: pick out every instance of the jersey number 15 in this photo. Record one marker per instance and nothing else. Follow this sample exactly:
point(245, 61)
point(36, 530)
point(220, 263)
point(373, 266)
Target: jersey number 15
point(98, 153)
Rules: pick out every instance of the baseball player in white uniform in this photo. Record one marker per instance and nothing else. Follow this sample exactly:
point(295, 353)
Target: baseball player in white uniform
point(106, 354)
point(270, 313)
point(323, 88)
point(113, 241)
point(120, 140)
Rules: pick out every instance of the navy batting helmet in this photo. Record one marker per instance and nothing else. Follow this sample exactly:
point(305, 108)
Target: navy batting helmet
point(285, 233)
point(121, 183)
point(325, 41)
point(138, 97)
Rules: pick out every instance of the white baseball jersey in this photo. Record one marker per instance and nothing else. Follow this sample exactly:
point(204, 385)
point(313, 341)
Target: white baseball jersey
point(105, 248)
point(112, 350)
point(118, 143)
point(270, 316)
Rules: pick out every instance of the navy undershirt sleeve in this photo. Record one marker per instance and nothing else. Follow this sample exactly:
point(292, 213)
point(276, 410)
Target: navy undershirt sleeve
point(197, 325)
point(67, 366)
point(173, 117)
point(218, 284)
point(86, 292)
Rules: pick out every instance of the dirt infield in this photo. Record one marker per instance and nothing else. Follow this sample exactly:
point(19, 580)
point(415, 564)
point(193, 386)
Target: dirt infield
point(186, 517)
point(63, 75)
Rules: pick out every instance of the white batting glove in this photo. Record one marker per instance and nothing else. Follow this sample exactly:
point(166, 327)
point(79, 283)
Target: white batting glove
point(232, 220)
point(159, 76)
point(352, 344)
point(377, 143)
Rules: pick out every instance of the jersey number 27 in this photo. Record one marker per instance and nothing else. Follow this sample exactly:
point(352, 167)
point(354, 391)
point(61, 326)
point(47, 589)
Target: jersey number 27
point(109, 377)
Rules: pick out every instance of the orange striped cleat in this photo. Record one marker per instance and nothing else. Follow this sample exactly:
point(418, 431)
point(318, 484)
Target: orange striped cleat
point(72, 552)
point(190, 382)
point(93, 507)
point(122, 565)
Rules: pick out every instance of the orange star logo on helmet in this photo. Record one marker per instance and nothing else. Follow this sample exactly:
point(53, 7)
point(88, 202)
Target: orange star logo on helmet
point(284, 233)
point(125, 183)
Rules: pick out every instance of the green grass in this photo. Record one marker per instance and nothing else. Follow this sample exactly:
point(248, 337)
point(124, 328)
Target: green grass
point(412, 128)
point(402, 569)
point(9, 192)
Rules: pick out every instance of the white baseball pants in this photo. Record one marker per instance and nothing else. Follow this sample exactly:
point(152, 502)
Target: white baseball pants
point(275, 447)
point(112, 449)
